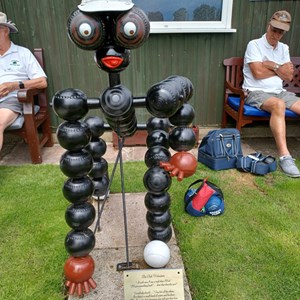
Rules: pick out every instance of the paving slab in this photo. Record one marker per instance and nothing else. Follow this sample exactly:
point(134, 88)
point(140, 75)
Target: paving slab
point(110, 281)
point(112, 218)
point(110, 249)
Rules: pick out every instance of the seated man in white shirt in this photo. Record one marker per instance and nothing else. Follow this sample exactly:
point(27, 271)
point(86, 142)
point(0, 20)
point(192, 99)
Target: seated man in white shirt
point(266, 64)
point(18, 69)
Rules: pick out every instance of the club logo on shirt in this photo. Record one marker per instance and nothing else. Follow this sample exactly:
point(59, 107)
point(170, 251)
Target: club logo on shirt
point(15, 63)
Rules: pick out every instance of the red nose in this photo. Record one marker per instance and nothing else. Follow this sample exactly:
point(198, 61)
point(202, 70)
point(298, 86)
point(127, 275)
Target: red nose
point(112, 62)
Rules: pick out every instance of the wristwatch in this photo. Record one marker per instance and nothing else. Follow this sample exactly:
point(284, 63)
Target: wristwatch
point(276, 67)
point(21, 85)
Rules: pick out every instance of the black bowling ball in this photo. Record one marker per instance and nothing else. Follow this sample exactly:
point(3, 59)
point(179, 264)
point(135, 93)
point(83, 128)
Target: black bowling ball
point(73, 136)
point(70, 104)
point(80, 243)
point(97, 147)
point(163, 100)
point(80, 216)
point(182, 138)
point(161, 235)
point(155, 123)
point(158, 138)
point(101, 185)
point(157, 203)
point(132, 37)
point(86, 31)
point(157, 180)
point(156, 154)
point(96, 125)
point(77, 190)
point(158, 221)
point(185, 84)
point(76, 164)
point(184, 115)
point(116, 101)
point(99, 169)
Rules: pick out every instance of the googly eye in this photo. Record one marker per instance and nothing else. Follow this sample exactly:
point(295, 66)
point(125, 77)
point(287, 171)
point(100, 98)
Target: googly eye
point(86, 31)
point(132, 28)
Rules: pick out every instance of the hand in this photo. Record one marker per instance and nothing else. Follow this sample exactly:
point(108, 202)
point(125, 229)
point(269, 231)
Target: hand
point(288, 67)
point(286, 71)
point(78, 272)
point(181, 164)
point(8, 87)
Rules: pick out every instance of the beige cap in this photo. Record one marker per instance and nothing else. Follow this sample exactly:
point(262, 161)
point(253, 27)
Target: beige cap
point(281, 20)
point(7, 23)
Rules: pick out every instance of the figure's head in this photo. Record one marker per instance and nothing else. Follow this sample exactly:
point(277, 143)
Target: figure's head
point(279, 24)
point(5, 23)
point(110, 28)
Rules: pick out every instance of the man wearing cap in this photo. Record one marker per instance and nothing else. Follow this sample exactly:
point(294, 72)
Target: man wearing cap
point(18, 69)
point(266, 64)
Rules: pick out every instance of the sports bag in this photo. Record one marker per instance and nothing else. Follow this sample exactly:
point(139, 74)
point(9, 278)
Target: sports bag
point(257, 164)
point(220, 148)
point(207, 199)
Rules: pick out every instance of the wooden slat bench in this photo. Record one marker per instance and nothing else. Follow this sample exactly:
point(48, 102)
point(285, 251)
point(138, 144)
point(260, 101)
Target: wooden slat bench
point(234, 98)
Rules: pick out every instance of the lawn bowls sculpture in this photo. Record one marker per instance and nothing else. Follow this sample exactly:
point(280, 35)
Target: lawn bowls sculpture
point(111, 29)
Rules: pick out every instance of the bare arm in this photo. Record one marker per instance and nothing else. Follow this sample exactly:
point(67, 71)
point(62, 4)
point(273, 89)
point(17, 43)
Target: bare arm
point(286, 71)
point(8, 87)
point(266, 69)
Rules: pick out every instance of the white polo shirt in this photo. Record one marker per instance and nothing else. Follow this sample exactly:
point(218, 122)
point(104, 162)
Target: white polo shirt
point(260, 50)
point(18, 64)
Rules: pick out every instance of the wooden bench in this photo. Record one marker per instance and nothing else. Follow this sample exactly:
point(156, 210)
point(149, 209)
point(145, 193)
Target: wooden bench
point(34, 125)
point(234, 98)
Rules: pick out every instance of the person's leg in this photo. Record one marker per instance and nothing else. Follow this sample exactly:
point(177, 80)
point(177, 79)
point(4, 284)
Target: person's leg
point(276, 107)
point(7, 117)
point(296, 107)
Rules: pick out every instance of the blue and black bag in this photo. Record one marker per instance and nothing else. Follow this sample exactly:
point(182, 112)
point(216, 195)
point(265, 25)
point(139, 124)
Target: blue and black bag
point(220, 149)
point(257, 164)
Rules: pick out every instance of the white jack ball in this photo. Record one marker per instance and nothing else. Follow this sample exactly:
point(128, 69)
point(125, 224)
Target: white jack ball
point(157, 254)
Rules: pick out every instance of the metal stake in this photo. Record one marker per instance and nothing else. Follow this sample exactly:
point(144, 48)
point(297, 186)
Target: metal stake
point(125, 265)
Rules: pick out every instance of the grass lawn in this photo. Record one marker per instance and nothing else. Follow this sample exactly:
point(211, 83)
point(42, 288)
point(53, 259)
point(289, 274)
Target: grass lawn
point(250, 252)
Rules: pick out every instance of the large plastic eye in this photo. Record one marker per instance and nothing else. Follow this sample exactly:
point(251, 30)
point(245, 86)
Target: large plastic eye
point(86, 31)
point(132, 28)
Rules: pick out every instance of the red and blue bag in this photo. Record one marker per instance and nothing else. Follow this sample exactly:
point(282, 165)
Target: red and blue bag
point(207, 199)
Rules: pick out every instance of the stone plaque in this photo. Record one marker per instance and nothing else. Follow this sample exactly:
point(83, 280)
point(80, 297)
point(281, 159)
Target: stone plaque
point(154, 284)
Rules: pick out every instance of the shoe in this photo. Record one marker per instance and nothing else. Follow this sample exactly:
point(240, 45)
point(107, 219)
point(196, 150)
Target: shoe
point(288, 166)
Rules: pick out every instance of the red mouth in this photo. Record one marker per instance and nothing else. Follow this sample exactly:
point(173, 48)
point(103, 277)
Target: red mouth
point(112, 62)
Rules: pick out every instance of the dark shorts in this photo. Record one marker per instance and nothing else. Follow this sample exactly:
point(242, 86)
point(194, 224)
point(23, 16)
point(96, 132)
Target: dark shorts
point(257, 98)
point(12, 104)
